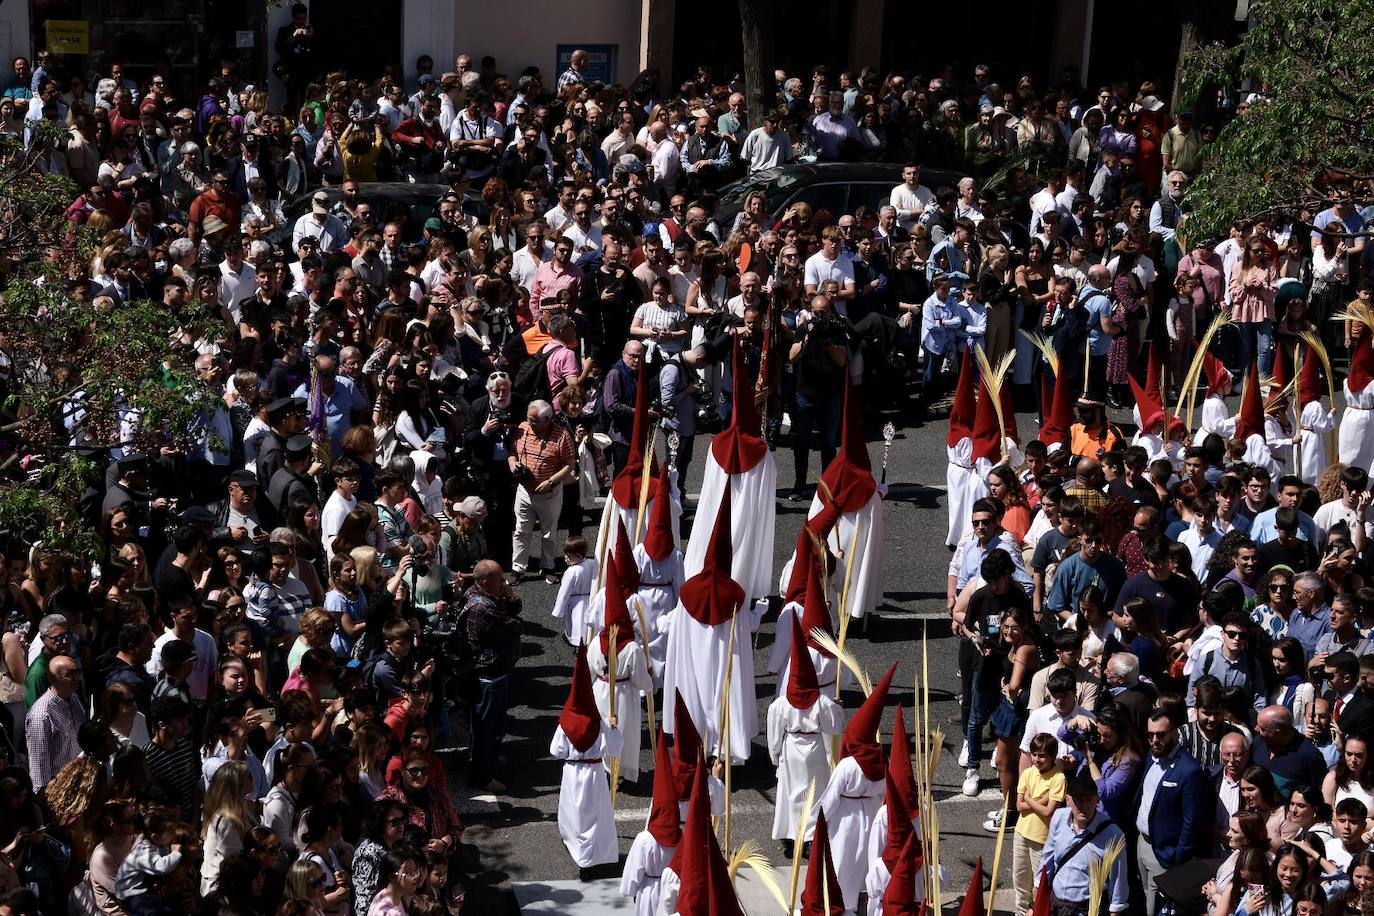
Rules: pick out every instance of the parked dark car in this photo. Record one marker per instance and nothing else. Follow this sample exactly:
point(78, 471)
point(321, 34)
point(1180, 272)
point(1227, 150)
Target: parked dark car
point(839, 187)
point(419, 201)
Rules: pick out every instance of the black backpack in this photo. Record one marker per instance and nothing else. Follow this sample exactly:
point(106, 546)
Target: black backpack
point(531, 383)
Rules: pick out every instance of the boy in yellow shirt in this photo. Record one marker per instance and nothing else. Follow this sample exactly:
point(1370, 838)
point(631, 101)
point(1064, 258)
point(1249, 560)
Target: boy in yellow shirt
point(1039, 791)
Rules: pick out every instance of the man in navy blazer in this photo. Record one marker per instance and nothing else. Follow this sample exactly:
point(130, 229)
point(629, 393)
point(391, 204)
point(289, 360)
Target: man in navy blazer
point(1173, 815)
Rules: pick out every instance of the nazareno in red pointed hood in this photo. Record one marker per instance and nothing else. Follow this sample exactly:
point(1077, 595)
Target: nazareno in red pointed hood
point(1251, 420)
point(1218, 376)
point(1361, 364)
point(624, 560)
point(712, 596)
point(899, 899)
point(1058, 423)
point(686, 748)
point(659, 538)
point(987, 437)
point(821, 866)
point(961, 413)
point(805, 556)
point(664, 819)
point(615, 611)
point(1310, 379)
point(1148, 403)
point(705, 888)
point(802, 688)
point(740, 446)
point(815, 613)
point(902, 803)
point(580, 719)
point(625, 488)
point(861, 734)
point(848, 479)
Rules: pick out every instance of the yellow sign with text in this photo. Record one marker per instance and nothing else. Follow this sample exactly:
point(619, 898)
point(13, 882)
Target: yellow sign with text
point(69, 36)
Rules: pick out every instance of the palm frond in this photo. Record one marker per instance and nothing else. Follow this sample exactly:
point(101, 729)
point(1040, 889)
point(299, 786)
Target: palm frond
point(1045, 346)
point(1194, 373)
point(992, 380)
point(1315, 345)
point(828, 643)
point(1098, 872)
point(803, 822)
point(751, 855)
point(1356, 311)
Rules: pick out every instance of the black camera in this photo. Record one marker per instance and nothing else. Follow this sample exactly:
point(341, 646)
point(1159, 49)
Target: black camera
point(501, 415)
point(522, 474)
point(1085, 740)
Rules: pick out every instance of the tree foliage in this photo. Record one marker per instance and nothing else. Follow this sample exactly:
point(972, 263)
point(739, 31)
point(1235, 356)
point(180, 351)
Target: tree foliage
point(1309, 134)
point(77, 368)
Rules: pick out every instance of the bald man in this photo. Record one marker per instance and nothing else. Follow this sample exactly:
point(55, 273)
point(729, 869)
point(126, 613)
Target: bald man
point(52, 722)
point(1284, 751)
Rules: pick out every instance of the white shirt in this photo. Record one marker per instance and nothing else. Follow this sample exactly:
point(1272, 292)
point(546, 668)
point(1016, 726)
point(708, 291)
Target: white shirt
point(910, 203)
point(1154, 775)
point(1144, 270)
point(583, 241)
point(557, 217)
point(235, 287)
point(336, 509)
point(1334, 512)
point(819, 269)
point(524, 266)
point(1046, 721)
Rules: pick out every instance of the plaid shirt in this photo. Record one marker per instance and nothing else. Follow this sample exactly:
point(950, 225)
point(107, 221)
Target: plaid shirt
point(51, 727)
point(494, 631)
point(544, 455)
point(567, 78)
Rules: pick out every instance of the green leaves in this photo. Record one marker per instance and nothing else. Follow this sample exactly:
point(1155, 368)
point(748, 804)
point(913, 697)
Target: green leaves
point(1307, 134)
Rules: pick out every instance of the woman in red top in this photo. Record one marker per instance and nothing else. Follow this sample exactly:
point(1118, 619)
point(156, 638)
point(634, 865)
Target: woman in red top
point(1004, 487)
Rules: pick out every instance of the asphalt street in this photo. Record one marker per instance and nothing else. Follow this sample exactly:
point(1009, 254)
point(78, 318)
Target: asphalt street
point(514, 838)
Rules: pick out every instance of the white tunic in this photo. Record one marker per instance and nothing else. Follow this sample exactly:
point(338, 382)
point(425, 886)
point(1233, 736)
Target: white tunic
point(585, 819)
point(963, 487)
point(1280, 443)
point(866, 578)
point(574, 593)
point(1316, 422)
point(695, 667)
point(1356, 437)
point(850, 802)
point(753, 519)
point(643, 874)
point(606, 532)
point(799, 746)
point(780, 655)
point(1216, 418)
point(659, 584)
point(631, 677)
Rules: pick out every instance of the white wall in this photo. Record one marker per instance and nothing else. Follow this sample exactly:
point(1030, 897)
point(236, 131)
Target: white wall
point(427, 27)
point(14, 33)
point(520, 33)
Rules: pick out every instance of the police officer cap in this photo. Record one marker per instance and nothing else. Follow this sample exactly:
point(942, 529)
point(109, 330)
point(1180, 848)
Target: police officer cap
point(298, 446)
point(282, 408)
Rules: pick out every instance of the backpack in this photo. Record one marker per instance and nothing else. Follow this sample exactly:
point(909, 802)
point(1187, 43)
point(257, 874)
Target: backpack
point(531, 383)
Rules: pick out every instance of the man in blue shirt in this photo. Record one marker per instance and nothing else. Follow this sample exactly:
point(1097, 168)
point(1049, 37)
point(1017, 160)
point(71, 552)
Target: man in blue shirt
point(1078, 837)
point(344, 406)
point(1263, 529)
point(1091, 566)
point(1231, 663)
point(1101, 329)
point(1285, 752)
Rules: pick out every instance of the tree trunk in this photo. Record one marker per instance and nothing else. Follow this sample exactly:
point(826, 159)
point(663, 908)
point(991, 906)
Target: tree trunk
point(756, 35)
point(1187, 44)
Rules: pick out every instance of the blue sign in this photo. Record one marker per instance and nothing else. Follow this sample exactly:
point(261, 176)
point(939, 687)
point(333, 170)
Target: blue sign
point(601, 61)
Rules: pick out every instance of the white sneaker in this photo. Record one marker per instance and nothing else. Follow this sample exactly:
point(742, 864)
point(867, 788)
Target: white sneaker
point(963, 756)
point(971, 782)
point(993, 824)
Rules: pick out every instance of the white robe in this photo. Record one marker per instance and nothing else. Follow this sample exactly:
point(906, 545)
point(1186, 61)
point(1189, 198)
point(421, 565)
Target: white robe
point(695, 667)
point(574, 592)
point(753, 520)
point(963, 487)
point(606, 531)
point(658, 599)
point(799, 746)
point(643, 872)
point(866, 582)
point(585, 819)
point(631, 677)
point(1152, 443)
point(668, 888)
point(1316, 422)
point(850, 802)
point(875, 882)
point(780, 655)
point(1257, 454)
point(1216, 418)
point(1355, 439)
point(1280, 443)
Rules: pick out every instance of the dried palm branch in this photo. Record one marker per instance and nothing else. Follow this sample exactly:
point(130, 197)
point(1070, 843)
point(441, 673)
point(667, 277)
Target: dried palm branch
point(1045, 346)
point(1314, 343)
point(803, 822)
point(751, 855)
point(1190, 378)
point(992, 381)
point(997, 853)
point(1098, 872)
point(828, 643)
point(1356, 311)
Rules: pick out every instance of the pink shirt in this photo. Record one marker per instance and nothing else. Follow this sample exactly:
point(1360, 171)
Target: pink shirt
point(563, 367)
point(1252, 293)
point(549, 281)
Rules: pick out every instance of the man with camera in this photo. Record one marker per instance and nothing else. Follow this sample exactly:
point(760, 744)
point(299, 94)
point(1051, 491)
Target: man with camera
point(541, 462)
point(475, 140)
point(821, 353)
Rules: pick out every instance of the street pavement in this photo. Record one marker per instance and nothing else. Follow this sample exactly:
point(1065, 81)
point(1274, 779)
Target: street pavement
point(513, 840)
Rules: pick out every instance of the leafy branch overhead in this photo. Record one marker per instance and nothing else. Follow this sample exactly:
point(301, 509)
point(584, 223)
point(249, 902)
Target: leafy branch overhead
point(81, 374)
point(1309, 134)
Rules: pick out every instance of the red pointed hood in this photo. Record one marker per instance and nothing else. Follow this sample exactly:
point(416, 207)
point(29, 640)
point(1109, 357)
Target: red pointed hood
point(987, 438)
point(962, 412)
point(805, 558)
point(616, 611)
point(627, 570)
point(901, 796)
point(686, 748)
point(816, 609)
point(802, 688)
point(1059, 422)
point(1362, 364)
point(580, 719)
point(660, 537)
point(861, 734)
point(973, 897)
point(1277, 400)
point(1251, 420)
point(1154, 370)
point(1310, 378)
point(820, 864)
point(1147, 401)
point(664, 817)
point(740, 447)
point(705, 889)
point(711, 596)
point(1009, 416)
point(1218, 375)
point(899, 899)
point(849, 476)
point(625, 488)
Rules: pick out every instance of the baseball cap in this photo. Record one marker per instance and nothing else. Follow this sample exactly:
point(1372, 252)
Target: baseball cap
point(472, 507)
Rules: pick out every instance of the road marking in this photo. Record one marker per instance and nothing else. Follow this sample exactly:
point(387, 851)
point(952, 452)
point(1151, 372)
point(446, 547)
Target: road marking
point(736, 810)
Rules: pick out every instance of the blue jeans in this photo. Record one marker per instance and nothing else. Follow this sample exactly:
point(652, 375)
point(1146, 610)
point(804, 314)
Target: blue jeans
point(985, 702)
point(1255, 338)
point(820, 417)
point(488, 728)
point(933, 377)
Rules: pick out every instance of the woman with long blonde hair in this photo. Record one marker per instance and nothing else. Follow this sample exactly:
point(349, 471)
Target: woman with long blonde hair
point(228, 816)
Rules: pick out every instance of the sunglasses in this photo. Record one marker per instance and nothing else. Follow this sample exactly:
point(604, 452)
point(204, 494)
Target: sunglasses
point(417, 771)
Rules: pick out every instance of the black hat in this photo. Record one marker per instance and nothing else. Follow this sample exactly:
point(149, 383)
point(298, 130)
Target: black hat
point(1081, 785)
point(282, 408)
point(244, 478)
point(197, 515)
point(130, 463)
point(298, 447)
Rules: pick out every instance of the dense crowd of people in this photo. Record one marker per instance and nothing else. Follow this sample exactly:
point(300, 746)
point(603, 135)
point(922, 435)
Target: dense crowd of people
point(235, 707)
